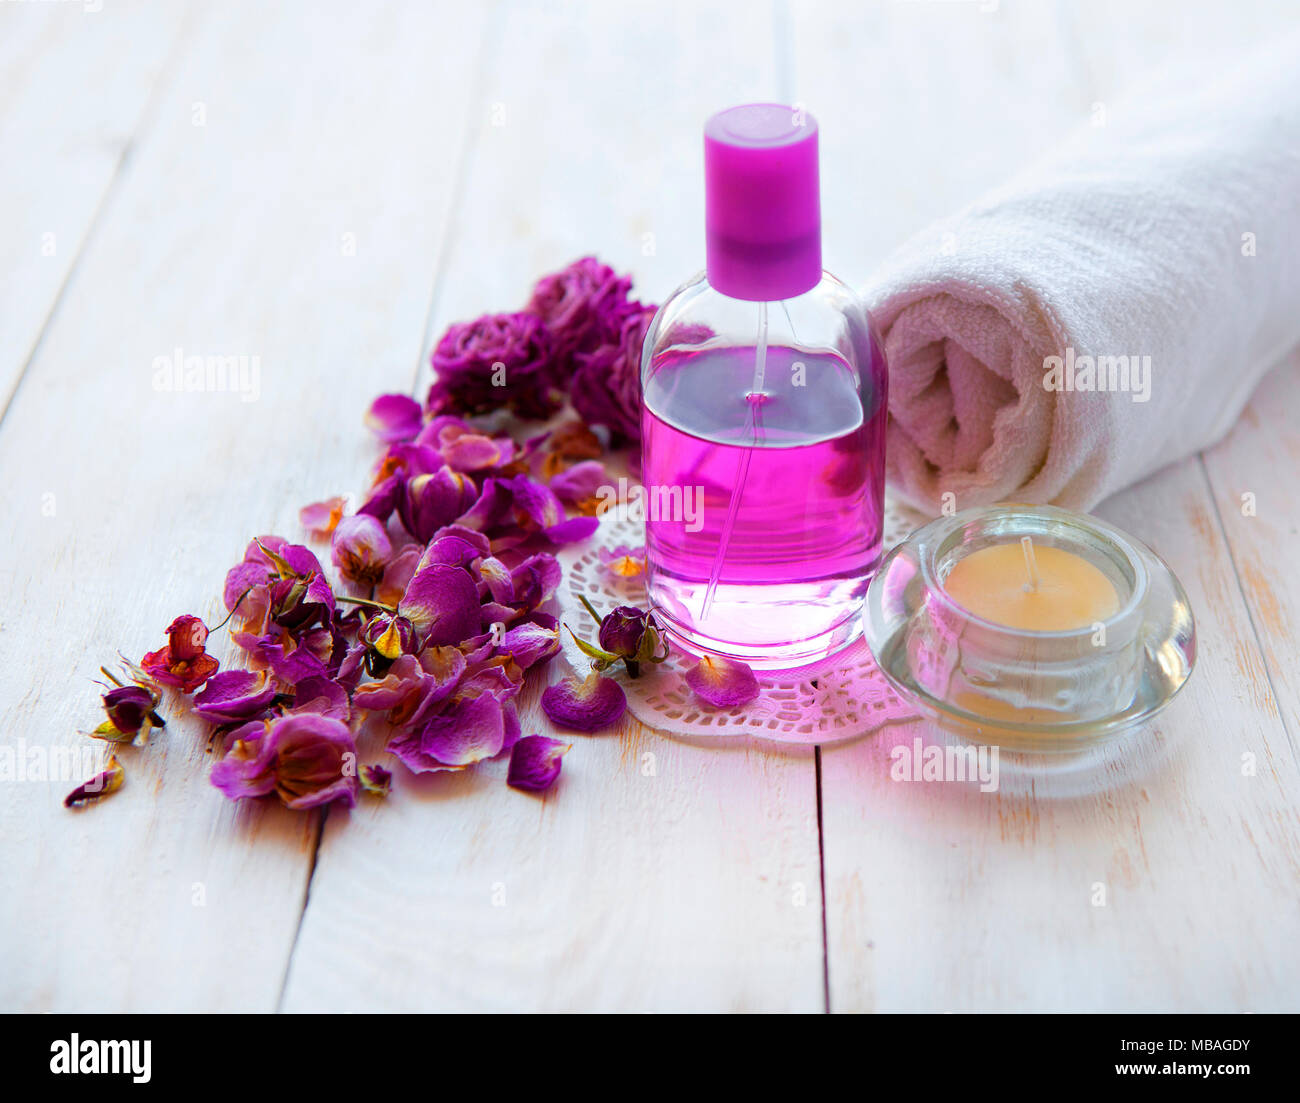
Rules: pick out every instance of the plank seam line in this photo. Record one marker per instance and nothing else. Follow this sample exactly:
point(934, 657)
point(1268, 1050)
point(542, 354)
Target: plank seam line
point(142, 124)
point(302, 912)
point(784, 72)
point(465, 158)
point(821, 869)
point(1250, 615)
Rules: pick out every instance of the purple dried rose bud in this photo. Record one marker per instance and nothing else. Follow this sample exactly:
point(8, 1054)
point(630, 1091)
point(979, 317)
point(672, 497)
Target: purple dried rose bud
point(376, 779)
point(128, 709)
point(387, 636)
point(627, 633)
point(499, 360)
point(306, 760)
point(621, 631)
point(235, 697)
point(535, 763)
point(722, 683)
point(281, 582)
point(585, 706)
point(394, 417)
point(606, 387)
point(574, 302)
point(108, 780)
point(361, 549)
point(429, 502)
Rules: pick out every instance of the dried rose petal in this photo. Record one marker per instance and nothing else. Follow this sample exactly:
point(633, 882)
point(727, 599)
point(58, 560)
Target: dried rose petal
point(476, 452)
point(573, 530)
point(108, 780)
point(584, 706)
point(567, 444)
point(234, 696)
point(535, 763)
point(722, 683)
point(580, 482)
point(622, 561)
point(530, 644)
point(535, 501)
point(321, 696)
point(321, 518)
point(442, 604)
point(307, 760)
point(412, 687)
point(454, 546)
point(398, 574)
point(291, 662)
point(461, 733)
point(376, 779)
point(394, 417)
point(466, 448)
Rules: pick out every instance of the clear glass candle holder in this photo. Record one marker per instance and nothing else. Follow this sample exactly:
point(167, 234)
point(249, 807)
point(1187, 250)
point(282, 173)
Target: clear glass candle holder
point(1030, 689)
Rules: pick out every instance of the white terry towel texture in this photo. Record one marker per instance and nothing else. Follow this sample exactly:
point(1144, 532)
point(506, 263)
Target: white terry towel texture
point(1170, 232)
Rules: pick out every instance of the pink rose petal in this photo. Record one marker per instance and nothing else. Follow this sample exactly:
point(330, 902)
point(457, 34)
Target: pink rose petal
point(234, 696)
point(579, 482)
point(535, 763)
point(722, 683)
point(394, 417)
point(584, 706)
point(320, 518)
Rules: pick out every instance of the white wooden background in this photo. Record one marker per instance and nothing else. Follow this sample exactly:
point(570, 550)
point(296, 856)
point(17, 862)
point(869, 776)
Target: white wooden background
point(186, 175)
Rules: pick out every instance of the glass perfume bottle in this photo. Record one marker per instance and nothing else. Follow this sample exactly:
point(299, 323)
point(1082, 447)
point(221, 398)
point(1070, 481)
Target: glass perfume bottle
point(763, 427)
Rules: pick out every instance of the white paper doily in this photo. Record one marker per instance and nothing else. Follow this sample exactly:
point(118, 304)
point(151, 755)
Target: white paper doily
point(840, 698)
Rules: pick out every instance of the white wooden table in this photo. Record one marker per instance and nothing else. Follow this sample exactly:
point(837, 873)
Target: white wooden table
point(326, 186)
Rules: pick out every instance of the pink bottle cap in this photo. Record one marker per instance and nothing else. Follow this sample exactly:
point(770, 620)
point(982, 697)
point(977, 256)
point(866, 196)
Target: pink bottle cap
point(762, 202)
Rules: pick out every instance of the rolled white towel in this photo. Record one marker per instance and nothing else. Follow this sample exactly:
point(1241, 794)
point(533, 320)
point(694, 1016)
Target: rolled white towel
point(1162, 248)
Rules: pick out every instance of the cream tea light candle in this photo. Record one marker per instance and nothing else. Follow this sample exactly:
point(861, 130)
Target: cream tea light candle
point(1029, 626)
point(1020, 586)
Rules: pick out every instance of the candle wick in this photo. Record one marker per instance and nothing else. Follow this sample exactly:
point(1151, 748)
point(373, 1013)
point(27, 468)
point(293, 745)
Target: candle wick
point(1031, 564)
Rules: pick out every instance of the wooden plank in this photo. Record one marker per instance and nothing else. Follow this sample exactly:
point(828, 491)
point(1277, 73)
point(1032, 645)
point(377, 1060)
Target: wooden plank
point(228, 235)
point(1253, 476)
point(76, 84)
point(692, 887)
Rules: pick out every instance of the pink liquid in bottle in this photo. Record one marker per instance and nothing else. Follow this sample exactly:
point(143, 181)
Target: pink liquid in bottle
point(802, 527)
